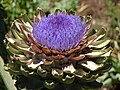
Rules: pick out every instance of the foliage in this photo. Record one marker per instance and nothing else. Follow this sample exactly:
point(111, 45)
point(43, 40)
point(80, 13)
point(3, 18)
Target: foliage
point(2, 86)
point(15, 8)
point(106, 13)
point(113, 14)
point(3, 31)
point(112, 78)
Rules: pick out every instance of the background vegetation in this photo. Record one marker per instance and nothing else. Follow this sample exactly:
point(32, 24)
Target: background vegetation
point(106, 13)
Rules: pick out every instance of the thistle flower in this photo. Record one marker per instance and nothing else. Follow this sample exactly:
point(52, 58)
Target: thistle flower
point(59, 31)
point(57, 51)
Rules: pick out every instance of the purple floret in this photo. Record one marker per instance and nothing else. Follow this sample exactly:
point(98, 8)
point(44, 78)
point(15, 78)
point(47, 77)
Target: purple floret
point(59, 31)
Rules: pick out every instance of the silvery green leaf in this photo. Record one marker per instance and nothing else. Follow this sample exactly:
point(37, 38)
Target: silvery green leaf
point(68, 79)
point(57, 73)
point(49, 84)
point(69, 69)
point(91, 65)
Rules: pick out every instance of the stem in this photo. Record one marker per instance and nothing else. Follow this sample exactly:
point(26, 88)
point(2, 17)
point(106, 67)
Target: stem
point(9, 83)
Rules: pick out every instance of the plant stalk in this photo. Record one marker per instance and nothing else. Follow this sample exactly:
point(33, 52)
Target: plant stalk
point(7, 79)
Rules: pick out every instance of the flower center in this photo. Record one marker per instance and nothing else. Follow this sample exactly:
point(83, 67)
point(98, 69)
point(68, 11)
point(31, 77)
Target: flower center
point(59, 31)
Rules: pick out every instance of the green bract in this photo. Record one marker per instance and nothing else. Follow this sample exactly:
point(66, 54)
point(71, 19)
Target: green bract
point(44, 68)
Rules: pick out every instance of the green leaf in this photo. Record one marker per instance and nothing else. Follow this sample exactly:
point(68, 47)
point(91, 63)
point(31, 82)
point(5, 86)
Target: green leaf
point(9, 83)
point(92, 66)
point(49, 84)
point(93, 84)
point(68, 79)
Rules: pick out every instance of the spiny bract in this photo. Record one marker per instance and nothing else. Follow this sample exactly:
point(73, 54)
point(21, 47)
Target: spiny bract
point(57, 51)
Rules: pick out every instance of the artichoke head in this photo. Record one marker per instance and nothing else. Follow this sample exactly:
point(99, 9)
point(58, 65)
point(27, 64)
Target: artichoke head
point(57, 60)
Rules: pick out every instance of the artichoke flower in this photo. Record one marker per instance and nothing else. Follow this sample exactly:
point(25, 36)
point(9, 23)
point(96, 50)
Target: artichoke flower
point(57, 51)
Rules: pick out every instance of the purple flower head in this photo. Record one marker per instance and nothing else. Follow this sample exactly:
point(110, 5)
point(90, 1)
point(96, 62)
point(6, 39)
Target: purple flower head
point(59, 31)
